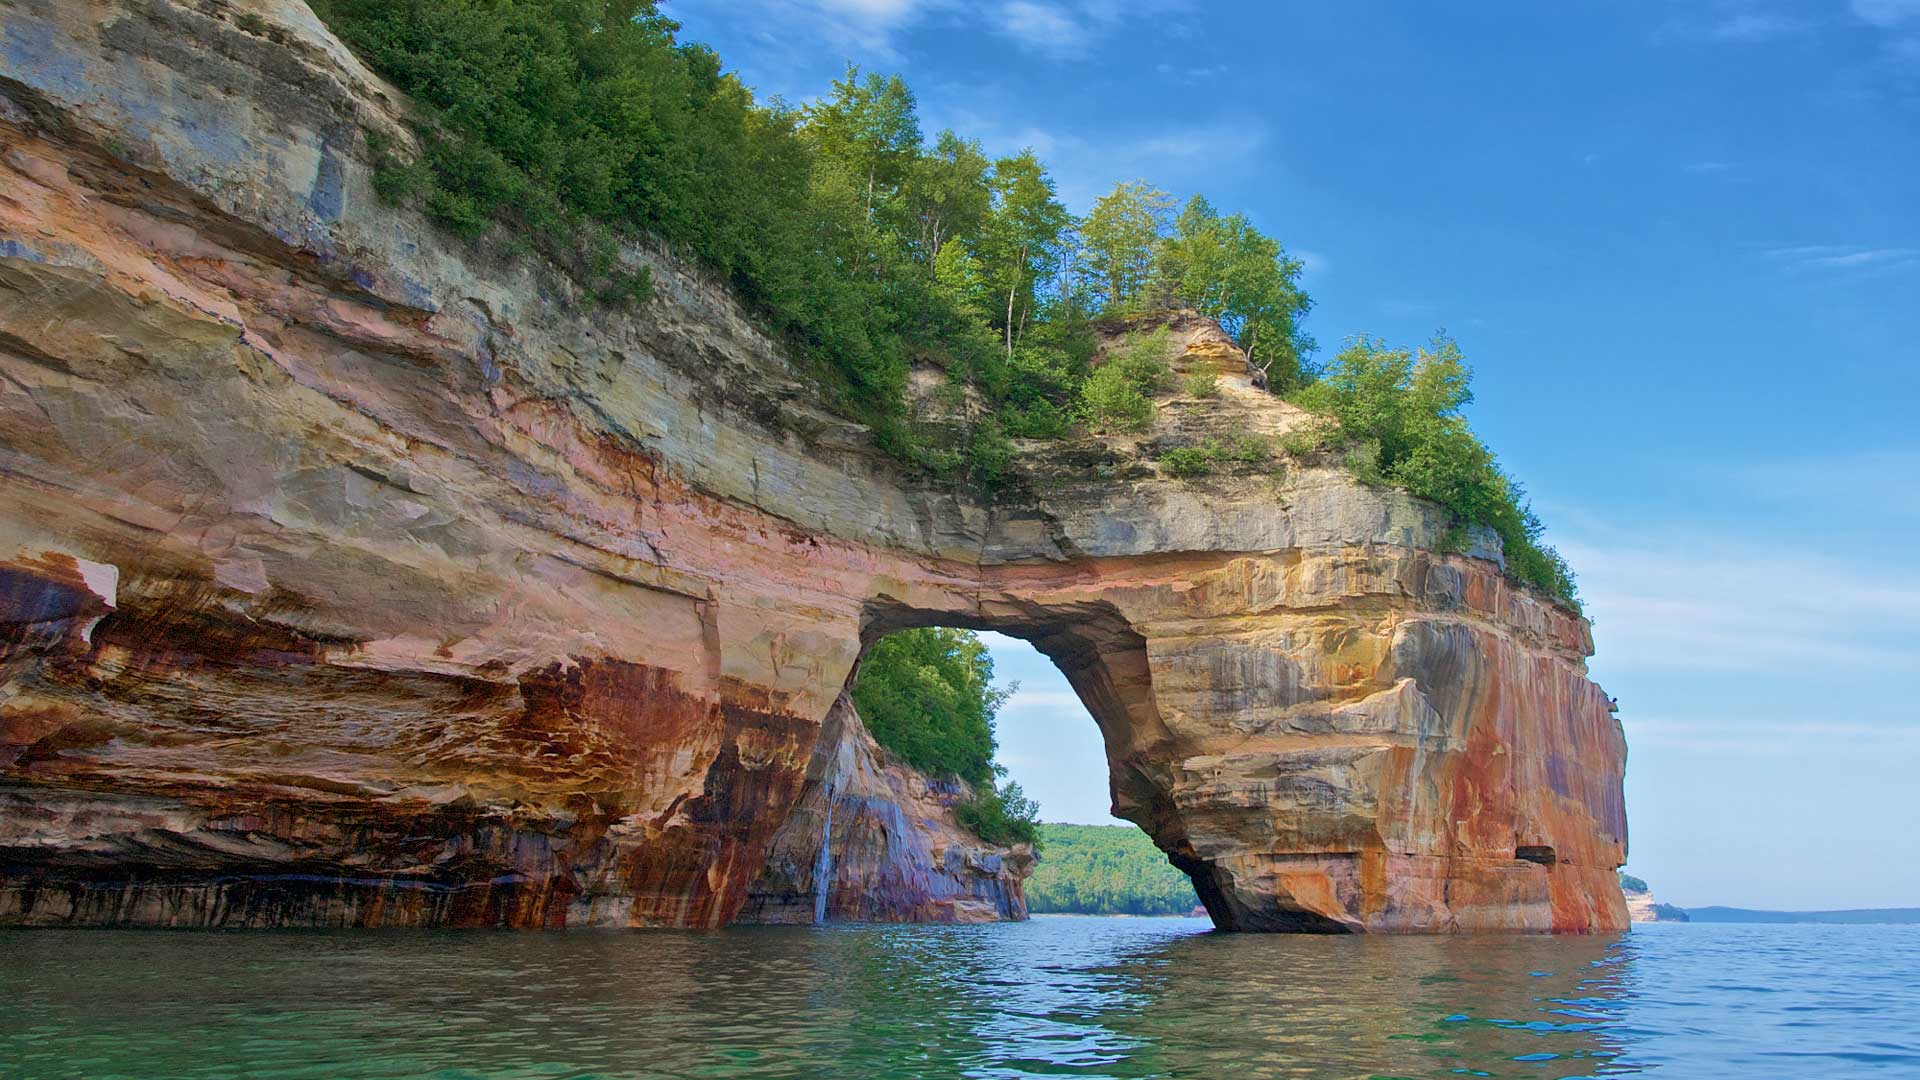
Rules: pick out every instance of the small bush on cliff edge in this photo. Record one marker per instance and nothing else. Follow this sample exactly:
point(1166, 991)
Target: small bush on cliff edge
point(1001, 814)
point(1118, 396)
point(1401, 410)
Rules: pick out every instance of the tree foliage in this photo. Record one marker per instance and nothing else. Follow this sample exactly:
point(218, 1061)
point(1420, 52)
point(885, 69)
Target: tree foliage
point(1122, 234)
point(579, 125)
point(1400, 409)
point(1001, 814)
point(1105, 870)
point(1231, 272)
point(928, 696)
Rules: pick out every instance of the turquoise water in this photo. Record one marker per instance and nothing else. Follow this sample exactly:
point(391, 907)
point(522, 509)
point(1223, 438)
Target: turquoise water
point(1052, 997)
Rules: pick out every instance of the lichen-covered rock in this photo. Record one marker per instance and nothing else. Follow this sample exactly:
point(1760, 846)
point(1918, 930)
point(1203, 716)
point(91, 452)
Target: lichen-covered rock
point(353, 575)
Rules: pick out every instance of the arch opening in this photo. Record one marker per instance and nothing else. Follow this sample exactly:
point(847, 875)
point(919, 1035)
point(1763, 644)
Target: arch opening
point(865, 825)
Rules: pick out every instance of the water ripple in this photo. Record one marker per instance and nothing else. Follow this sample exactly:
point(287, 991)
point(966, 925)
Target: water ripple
point(1120, 998)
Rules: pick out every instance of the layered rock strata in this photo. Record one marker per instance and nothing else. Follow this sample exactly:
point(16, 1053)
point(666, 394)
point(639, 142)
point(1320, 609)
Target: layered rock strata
point(356, 576)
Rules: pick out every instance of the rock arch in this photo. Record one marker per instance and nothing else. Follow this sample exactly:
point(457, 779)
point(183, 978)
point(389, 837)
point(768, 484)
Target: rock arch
point(353, 576)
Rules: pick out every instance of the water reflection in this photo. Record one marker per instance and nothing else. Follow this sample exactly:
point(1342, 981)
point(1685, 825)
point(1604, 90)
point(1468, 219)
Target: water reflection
point(1346, 1006)
point(1079, 997)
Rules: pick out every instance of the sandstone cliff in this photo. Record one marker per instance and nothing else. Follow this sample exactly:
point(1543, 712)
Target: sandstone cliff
point(357, 576)
point(871, 840)
point(1642, 907)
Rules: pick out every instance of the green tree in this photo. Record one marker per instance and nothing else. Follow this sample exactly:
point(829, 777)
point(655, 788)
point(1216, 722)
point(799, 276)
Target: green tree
point(1020, 246)
point(947, 194)
point(871, 126)
point(1121, 236)
point(1402, 410)
point(928, 695)
point(1231, 272)
point(1001, 814)
point(958, 277)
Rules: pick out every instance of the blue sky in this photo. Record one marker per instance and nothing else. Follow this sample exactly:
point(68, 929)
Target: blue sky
point(1679, 243)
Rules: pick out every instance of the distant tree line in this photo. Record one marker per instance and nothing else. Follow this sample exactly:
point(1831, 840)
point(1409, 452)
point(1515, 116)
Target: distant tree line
point(1105, 870)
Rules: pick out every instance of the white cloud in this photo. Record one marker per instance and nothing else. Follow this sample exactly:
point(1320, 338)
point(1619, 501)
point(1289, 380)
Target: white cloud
point(1751, 26)
point(1043, 28)
point(1844, 257)
point(1063, 29)
point(1792, 604)
point(1787, 568)
point(1176, 158)
point(784, 38)
point(1886, 12)
point(1312, 262)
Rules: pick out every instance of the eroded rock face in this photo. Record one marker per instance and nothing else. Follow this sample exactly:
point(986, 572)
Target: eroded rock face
point(356, 577)
point(872, 840)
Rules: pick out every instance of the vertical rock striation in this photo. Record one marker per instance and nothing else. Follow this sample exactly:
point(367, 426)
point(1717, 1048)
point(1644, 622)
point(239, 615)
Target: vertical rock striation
point(350, 575)
point(871, 840)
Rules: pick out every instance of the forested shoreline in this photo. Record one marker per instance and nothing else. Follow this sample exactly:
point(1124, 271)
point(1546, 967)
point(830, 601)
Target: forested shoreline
point(1105, 870)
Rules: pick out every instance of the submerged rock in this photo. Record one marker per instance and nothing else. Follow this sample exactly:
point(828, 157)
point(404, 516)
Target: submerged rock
point(357, 576)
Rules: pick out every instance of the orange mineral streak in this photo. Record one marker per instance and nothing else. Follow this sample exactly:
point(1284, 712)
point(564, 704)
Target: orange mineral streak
point(353, 576)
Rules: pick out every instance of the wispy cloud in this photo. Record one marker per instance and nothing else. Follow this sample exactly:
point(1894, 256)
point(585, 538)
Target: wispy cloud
point(1844, 257)
point(1178, 158)
point(1743, 736)
point(1043, 28)
point(1193, 74)
point(1735, 22)
point(784, 46)
point(1871, 491)
point(1065, 29)
point(1794, 587)
point(1754, 26)
point(1886, 12)
point(1709, 167)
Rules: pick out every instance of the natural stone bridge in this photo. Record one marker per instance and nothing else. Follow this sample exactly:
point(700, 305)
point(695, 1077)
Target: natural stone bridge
point(358, 576)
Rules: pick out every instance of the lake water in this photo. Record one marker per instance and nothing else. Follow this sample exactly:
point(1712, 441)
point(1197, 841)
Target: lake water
point(1052, 997)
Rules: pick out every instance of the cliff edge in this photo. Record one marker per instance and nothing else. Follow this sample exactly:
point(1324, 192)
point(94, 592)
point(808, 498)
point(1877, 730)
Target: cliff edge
point(354, 575)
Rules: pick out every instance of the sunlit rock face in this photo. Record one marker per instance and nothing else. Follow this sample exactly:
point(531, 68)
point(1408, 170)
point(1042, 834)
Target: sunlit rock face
point(354, 576)
point(1642, 907)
